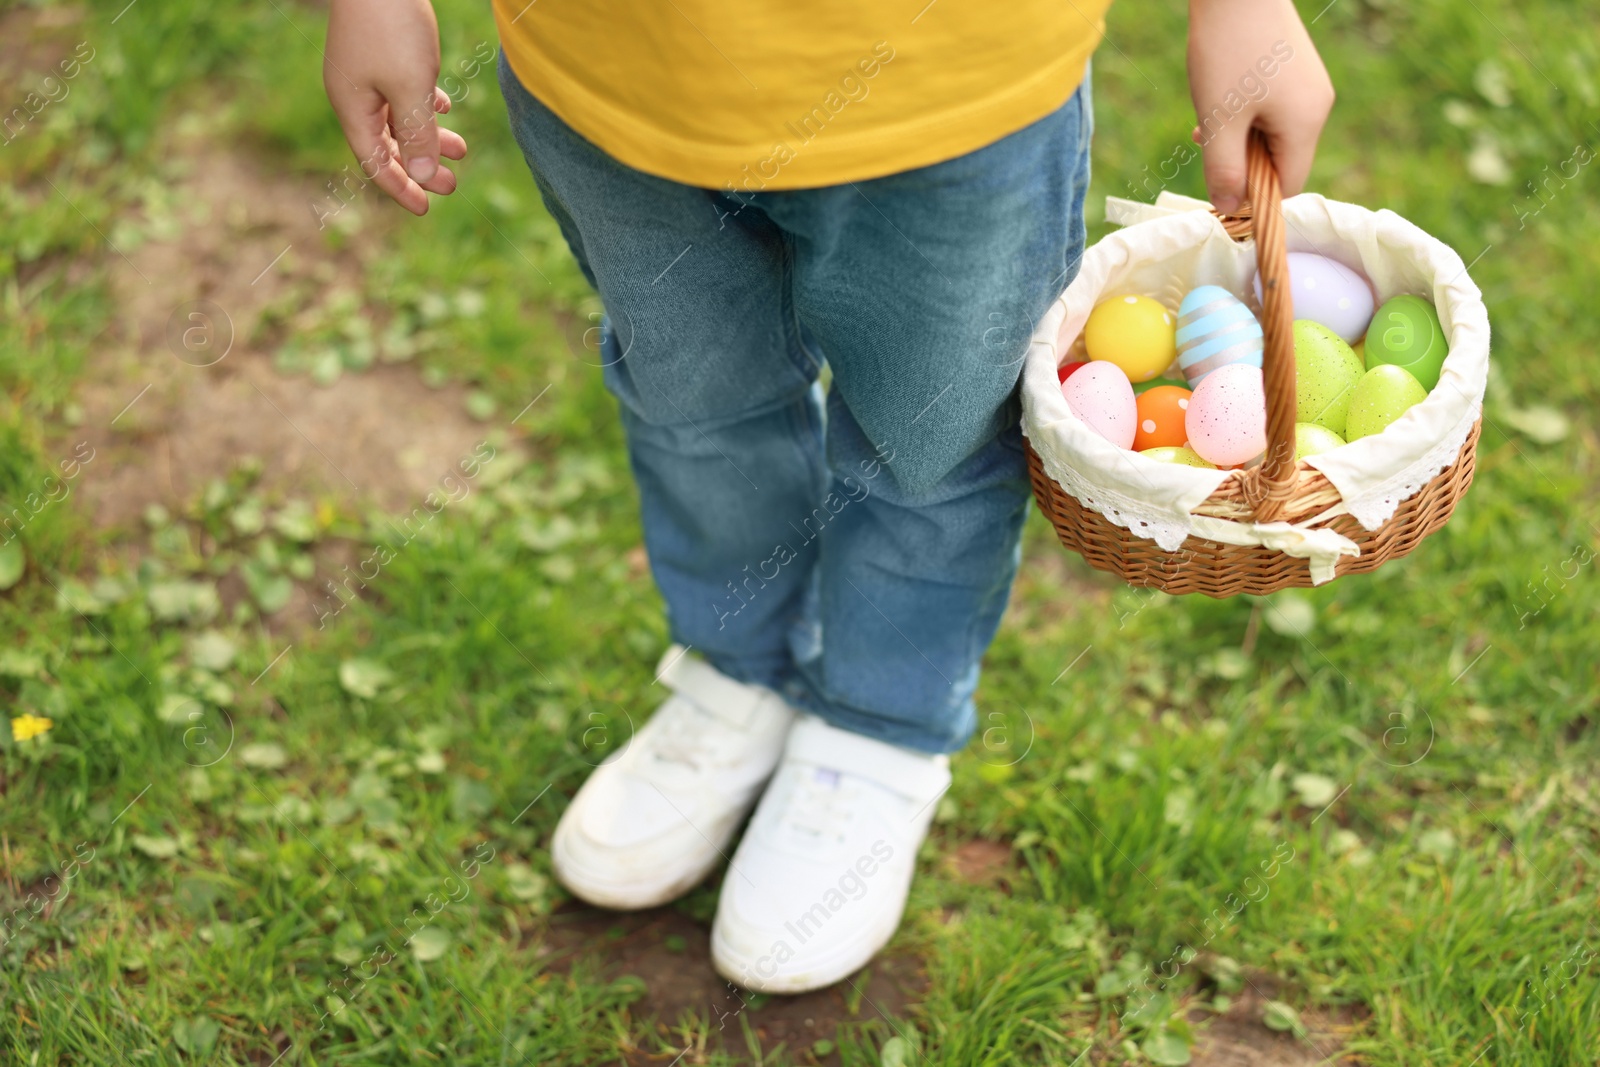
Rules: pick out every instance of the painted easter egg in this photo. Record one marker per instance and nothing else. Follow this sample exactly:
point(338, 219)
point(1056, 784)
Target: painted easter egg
point(1326, 291)
point(1382, 395)
point(1227, 416)
point(1101, 397)
point(1215, 329)
point(1182, 455)
point(1140, 388)
point(1313, 440)
point(1325, 374)
point(1133, 332)
point(1406, 333)
point(1066, 370)
point(1162, 413)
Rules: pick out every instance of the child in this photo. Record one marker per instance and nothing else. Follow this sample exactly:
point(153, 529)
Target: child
point(754, 188)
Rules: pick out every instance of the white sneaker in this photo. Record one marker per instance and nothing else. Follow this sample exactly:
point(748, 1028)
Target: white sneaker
point(653, 819)
point(820, 880)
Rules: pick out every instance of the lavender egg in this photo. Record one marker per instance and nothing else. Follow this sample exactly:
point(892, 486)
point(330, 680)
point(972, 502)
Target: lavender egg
point(1326, 291)
point(1214, 330)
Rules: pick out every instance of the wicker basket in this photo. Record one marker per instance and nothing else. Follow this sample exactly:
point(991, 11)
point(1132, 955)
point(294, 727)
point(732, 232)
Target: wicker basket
point(1279, 488)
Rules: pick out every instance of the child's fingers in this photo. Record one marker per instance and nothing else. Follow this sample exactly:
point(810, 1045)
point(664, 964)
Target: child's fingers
point(443, 182)
point(451, 144)
point(441, 101)
point(411, 110)
point(393, 179)
point(1224, 157)
point(376, 154)
point(1293, 148)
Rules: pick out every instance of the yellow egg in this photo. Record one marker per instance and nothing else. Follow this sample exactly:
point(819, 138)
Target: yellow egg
point(1180, 454)
point(1135, 333)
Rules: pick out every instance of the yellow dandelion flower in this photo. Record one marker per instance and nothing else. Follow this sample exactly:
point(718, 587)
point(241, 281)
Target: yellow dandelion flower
point(27, 726)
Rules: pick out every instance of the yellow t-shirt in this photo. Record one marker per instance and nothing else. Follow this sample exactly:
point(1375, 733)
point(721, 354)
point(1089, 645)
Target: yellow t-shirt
point(761, 94)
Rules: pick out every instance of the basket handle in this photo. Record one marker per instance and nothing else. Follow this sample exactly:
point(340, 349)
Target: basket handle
point(1268, 486)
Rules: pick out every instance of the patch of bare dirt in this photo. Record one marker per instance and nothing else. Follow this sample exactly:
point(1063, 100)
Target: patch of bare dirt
point(188, 393)
point(671, 953)
point(980, 862)
point(32, 42)
point(1240, 1038)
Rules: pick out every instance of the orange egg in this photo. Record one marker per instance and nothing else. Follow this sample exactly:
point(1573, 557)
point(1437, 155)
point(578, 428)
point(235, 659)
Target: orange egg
point(1162, 411)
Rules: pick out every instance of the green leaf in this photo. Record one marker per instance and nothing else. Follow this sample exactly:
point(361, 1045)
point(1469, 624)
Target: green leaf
point(178, 708)
point(546, 536)
point(1165, 1048)
point(1289, 614)
point(1437, 843)
point(12, 563)
point(896, 1052)
point(429, 943)
point(270, 590)
point(1540, 424)
point(470, 800)
point(1178, 808)
point(1229, 664)
point(156, 846)
point(181, 601)
point(525, 883)
point(480, 405)
point(559, 569)
point(1315, 790)
point(73, 595)
point(20, 663)
point(296, 521)
point(248, 518)
point(268, 755)
point(1281, 1017)
point(212, 651)
point(1225, 971)
point(1148, 1013)
point(364, 678)
point(196, 1035)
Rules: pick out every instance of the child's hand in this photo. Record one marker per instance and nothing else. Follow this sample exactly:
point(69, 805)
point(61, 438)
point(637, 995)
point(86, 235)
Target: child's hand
point(379, 71)
point(1254, 52)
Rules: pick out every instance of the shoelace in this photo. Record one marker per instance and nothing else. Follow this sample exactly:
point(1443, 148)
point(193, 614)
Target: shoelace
point(821, 807)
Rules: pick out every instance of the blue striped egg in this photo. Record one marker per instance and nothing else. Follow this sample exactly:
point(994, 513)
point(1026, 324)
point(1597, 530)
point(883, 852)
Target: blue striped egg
point(1214, 330)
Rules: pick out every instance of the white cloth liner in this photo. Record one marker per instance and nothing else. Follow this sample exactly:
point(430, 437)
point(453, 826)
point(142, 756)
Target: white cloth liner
point(1174, 245)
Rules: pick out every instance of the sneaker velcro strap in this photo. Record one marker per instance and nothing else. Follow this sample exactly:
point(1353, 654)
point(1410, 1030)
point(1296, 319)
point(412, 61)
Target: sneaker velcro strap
point(712, 691)
point(917, 776)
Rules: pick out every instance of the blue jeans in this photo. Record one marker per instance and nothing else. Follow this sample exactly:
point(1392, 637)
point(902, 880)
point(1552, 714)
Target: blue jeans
point(852, 547)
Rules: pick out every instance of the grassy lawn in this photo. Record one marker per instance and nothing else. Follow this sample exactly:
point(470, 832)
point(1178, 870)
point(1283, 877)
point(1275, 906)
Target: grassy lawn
point(274, 823)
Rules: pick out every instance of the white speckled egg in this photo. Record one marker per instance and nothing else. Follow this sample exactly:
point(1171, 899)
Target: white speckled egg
point(1227, 416)
point(1102, 397)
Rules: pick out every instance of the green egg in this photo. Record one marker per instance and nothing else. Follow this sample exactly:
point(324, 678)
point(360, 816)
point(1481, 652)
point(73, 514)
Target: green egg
point(1181, 454)
point(1312, 440)
point(1325, 375)
point(1144, 387)
point(1406, 332)
point(1382, 395)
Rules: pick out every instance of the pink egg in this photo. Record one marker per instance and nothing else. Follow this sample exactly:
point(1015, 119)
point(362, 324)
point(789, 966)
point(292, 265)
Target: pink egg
point(1326, 291)
point(1101, 396)
point(1227, 416)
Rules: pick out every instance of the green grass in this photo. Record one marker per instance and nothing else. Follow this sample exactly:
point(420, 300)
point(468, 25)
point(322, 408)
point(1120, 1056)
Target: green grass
point(245, 842)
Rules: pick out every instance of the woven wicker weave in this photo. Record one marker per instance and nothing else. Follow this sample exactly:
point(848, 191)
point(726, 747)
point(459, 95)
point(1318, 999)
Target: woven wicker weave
point(1279, 488)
